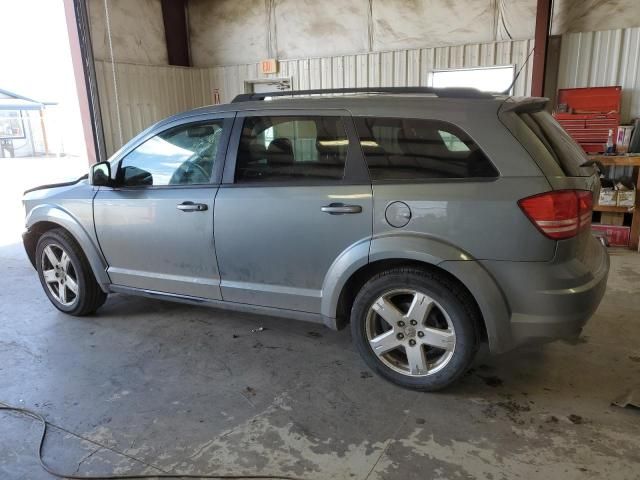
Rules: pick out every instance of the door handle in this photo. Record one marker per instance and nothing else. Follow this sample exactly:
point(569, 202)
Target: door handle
point(192, 207)
point(340, 209)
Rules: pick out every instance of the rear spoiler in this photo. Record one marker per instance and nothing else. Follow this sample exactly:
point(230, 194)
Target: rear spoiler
point(525, 104)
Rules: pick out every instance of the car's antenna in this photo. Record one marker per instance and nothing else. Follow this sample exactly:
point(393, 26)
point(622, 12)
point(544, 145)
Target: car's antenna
point(506, 92)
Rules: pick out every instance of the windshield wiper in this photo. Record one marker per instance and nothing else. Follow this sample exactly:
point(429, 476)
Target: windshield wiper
point(591, 163)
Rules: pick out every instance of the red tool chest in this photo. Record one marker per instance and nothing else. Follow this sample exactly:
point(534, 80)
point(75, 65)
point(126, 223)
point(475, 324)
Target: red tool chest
point(590, 114)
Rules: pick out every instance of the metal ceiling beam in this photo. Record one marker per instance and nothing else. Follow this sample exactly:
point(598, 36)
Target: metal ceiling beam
point(176, 33)
point(543, 21)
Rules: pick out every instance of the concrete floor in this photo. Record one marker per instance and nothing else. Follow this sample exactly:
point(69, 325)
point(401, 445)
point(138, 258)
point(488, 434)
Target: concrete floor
point(148, 386)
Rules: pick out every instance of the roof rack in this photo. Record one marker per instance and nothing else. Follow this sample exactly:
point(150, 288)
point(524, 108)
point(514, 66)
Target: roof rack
point(452, 92)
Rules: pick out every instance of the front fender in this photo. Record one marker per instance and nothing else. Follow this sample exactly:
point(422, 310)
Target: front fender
point(59, 216)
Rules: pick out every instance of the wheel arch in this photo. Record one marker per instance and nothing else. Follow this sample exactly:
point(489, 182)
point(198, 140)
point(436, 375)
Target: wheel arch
point(428, 254)
point(44, 218)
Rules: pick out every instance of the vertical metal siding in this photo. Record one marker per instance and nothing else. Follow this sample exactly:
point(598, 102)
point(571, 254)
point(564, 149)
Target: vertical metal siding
point(148, 93)
point(394, 68)
point(597, 59)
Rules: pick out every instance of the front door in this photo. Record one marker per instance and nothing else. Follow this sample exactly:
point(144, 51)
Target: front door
point(155, 227)
point(297, 197)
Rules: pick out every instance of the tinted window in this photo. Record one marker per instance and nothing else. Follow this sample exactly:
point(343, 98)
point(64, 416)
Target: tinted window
point(281, 149)
point(542, 127)
point(409, 149)
point(184, 155)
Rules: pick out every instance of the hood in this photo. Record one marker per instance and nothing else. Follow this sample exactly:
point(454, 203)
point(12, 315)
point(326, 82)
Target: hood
point(56, 185)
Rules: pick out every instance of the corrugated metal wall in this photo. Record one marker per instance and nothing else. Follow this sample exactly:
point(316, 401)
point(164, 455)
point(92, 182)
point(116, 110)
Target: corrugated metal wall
point(147, 94)
point(397, 68)
point(597, 59)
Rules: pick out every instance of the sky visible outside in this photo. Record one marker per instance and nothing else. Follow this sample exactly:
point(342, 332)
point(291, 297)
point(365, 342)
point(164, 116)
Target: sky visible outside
point(35, 62)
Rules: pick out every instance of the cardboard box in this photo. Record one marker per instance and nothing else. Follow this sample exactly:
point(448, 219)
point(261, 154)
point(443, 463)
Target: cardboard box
point(608, 197)
point(623, 138)
point(616, 236)
point(626, 198)
point(612, 218)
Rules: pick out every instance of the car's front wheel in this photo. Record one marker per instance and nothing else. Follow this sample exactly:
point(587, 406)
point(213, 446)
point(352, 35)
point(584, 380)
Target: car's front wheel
point(416, 328)
point(65, 274)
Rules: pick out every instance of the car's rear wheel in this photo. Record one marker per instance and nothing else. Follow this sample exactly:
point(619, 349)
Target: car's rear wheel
point(415, 328)
point(65, 274)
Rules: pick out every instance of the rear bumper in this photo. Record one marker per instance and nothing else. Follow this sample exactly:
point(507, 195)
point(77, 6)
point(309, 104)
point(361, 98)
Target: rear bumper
point(561, 314)
point(551, 300)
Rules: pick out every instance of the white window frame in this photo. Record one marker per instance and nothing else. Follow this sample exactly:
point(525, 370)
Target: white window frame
point(433, 73)
point(278, 84)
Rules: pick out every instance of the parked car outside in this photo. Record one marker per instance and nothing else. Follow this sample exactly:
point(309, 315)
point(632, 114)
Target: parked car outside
point(429, 220)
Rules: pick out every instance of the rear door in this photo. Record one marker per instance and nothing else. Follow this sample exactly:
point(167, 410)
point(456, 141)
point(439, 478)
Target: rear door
point(294, 200)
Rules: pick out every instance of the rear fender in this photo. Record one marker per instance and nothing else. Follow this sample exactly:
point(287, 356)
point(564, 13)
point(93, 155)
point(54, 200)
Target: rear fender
point(343, 267)
point(432, 251)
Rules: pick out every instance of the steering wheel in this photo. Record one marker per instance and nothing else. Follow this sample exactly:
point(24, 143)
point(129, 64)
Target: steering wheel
point(183, 173)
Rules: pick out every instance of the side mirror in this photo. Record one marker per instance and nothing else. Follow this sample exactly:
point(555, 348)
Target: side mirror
point(101, 174)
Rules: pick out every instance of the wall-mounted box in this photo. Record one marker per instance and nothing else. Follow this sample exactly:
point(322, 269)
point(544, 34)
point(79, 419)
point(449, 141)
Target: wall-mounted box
point(269, 65)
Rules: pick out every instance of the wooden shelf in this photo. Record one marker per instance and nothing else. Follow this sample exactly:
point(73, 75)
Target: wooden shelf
point(629, 160)
point(612, 208)
point(617, 160)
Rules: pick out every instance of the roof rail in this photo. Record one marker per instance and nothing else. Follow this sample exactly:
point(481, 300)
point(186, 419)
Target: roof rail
point(452, 92)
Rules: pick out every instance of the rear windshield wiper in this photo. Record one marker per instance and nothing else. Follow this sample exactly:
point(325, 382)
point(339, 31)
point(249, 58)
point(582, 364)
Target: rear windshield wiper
point(591, 163)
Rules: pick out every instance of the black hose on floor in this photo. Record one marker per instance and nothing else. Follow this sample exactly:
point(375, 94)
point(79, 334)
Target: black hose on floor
point(36, 416)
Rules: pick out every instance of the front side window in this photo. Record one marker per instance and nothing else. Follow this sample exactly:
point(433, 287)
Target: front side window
point(291, 149)
point(415, 149)
point(183, 155)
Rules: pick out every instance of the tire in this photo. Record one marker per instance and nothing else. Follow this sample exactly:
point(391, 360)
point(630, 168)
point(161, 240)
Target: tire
point(411, 310)
point(65, 274)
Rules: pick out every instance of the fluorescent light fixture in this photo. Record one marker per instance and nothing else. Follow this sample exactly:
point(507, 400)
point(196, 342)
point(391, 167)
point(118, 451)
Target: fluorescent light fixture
point(333, 143)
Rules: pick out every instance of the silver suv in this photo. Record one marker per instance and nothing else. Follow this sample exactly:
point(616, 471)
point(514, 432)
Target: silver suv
point(430, 220)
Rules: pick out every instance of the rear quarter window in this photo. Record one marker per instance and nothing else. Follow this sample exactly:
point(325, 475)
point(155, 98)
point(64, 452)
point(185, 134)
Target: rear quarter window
point(547, 142)
point(417, 149)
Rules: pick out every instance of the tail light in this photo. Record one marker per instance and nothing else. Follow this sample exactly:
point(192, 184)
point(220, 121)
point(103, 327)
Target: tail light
point(559, 214)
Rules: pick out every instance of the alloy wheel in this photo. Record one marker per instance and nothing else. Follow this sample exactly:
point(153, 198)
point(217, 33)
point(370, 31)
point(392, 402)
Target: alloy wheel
point(410, 332)
point(59, 274)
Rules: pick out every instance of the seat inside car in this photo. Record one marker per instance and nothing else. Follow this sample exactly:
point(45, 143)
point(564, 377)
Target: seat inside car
point(280, 152)
point(425, 149)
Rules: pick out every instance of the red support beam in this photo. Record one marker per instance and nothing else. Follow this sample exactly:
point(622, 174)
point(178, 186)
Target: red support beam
point(176, 33)
point(543, 20)
point(84, 73)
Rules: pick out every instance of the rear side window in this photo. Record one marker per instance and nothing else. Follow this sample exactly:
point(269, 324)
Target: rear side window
point(546, 140)
point(414, 149)
point(292, 149)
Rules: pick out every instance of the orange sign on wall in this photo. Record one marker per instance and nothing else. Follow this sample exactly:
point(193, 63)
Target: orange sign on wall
point(269, 66)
